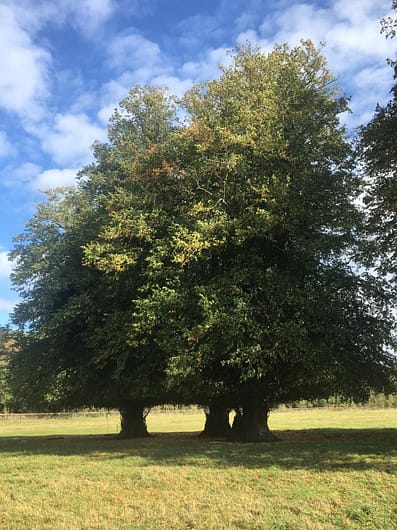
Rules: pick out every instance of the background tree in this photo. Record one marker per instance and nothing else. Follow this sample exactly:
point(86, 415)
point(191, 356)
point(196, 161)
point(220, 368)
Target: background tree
point(377, 149)
point(7, 349)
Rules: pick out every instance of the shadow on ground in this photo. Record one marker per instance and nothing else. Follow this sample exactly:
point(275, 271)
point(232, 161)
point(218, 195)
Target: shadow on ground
point(315, 449)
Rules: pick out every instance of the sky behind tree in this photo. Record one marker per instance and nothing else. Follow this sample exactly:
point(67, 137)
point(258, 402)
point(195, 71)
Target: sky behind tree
point(66, 64)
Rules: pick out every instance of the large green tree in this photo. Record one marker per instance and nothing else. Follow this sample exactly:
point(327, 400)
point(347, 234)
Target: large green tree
point(211, 259)
point(265, 300)
point(76, 307)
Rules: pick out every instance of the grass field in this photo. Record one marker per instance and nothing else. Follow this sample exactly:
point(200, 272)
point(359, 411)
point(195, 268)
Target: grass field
point(330, 469)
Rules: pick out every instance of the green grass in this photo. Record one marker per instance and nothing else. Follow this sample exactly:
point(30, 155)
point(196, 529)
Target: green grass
point(331, 469)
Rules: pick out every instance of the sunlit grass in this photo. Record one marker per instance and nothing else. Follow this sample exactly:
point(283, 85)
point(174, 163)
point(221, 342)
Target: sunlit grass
point(331, 469)
point(193, 421)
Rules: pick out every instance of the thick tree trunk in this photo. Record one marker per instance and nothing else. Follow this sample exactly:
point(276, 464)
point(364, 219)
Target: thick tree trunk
point(251, 424)
point(133, 421)
point(216, 421)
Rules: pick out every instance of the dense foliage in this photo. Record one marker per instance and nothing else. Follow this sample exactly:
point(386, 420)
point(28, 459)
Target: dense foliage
point(7, 349)
point(210, 254)
point(378, 153)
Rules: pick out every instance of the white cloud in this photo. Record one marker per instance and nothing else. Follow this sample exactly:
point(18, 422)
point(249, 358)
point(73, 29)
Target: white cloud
point(24, 69)
point(357, 11)
point(55, 178)
point(69, 139)
point(374, 78)
point(5, 265)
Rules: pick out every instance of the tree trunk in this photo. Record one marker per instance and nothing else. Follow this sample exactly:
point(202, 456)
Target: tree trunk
point(216, 421)
point(251, 424)
point(133, 421)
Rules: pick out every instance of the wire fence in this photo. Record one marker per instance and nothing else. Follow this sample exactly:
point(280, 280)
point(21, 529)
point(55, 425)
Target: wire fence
point(20, 416)
point(93, 414)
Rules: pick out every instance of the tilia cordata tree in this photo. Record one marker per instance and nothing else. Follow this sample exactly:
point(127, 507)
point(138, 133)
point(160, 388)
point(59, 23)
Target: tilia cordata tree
point(210, 261)
point(76, 307)
point(265, 299)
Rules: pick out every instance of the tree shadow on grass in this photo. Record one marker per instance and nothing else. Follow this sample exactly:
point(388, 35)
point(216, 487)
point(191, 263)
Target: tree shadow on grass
point(319, 450)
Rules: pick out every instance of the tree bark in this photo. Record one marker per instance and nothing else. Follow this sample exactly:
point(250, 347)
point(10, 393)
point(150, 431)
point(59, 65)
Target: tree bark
point(133, 421)
point(251, 424)
point(216, 421)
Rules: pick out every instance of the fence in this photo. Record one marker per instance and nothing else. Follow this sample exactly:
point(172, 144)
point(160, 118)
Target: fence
point(162, 410)
point(98, 413)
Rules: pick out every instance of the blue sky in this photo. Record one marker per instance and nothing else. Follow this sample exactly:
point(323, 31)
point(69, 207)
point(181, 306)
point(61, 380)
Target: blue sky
point(66, 64)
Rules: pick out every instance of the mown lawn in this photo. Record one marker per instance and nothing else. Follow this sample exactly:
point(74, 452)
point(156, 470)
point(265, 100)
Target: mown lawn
point(330, 469)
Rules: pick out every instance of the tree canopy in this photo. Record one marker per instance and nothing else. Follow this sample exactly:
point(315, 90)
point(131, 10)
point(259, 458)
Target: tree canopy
point(210, 254)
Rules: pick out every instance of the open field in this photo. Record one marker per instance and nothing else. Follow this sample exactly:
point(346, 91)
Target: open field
point(331, 469)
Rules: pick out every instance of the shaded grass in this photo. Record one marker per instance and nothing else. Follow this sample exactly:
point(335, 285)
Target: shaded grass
point(335, 471)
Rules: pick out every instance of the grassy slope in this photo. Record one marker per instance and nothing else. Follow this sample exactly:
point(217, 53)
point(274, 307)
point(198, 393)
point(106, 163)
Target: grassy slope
point(332, 469)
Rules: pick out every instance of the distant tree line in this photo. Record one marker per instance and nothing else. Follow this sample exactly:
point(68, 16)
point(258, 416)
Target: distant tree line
point(216, 252)
point(374, 400)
